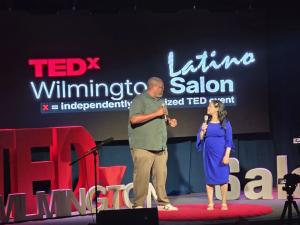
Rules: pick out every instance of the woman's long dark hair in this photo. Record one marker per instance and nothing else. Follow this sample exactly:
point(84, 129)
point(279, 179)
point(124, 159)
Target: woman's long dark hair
point(222, 113)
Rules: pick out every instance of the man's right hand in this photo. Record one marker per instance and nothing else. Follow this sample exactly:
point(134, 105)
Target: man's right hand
point(142, 118)
point(160, 111)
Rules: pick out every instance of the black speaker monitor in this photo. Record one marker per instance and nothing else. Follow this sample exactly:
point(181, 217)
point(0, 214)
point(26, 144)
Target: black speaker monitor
point(143, 216)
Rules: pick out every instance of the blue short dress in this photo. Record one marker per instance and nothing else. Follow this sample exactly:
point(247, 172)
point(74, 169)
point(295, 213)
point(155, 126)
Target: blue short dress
point(213, 147)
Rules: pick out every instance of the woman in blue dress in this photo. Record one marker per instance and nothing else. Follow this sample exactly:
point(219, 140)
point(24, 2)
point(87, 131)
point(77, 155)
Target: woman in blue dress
point(215, 140)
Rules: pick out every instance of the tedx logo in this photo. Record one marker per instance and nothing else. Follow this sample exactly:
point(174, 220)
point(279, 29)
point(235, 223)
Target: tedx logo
point(64, 67)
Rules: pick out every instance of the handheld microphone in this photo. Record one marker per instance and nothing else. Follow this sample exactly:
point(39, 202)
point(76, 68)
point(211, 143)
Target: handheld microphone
point(206, 122)
point(166, 116)
point(206, 119)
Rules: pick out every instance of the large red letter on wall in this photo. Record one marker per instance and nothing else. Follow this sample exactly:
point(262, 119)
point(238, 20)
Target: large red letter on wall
point(7, 141)
point(23, 172)
point(28, 171)
point(82, 141)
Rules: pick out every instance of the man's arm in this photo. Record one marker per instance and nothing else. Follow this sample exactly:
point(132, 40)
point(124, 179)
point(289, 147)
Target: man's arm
point(142, 118)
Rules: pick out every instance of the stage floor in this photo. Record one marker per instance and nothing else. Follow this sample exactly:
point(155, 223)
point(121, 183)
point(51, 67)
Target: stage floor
point(195, 198)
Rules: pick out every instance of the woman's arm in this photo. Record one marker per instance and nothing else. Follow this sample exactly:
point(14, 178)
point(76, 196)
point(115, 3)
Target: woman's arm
point(226, 156)
point(228, 143)
point(201, 135)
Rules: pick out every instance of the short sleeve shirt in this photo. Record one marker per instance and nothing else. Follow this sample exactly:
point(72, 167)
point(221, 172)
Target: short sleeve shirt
point(151, 135)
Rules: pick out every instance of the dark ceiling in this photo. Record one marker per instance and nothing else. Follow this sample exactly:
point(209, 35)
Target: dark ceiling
point(159, 6)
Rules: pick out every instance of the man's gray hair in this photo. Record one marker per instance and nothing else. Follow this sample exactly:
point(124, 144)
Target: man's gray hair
point(152, 81)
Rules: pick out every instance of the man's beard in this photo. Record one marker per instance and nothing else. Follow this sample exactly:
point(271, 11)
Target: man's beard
point(159, 95)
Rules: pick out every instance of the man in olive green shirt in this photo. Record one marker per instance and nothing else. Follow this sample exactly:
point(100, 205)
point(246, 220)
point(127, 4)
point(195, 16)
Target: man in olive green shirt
point(148, 143)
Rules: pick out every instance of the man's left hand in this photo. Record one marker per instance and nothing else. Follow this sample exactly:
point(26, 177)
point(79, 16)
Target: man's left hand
point(172, 122)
